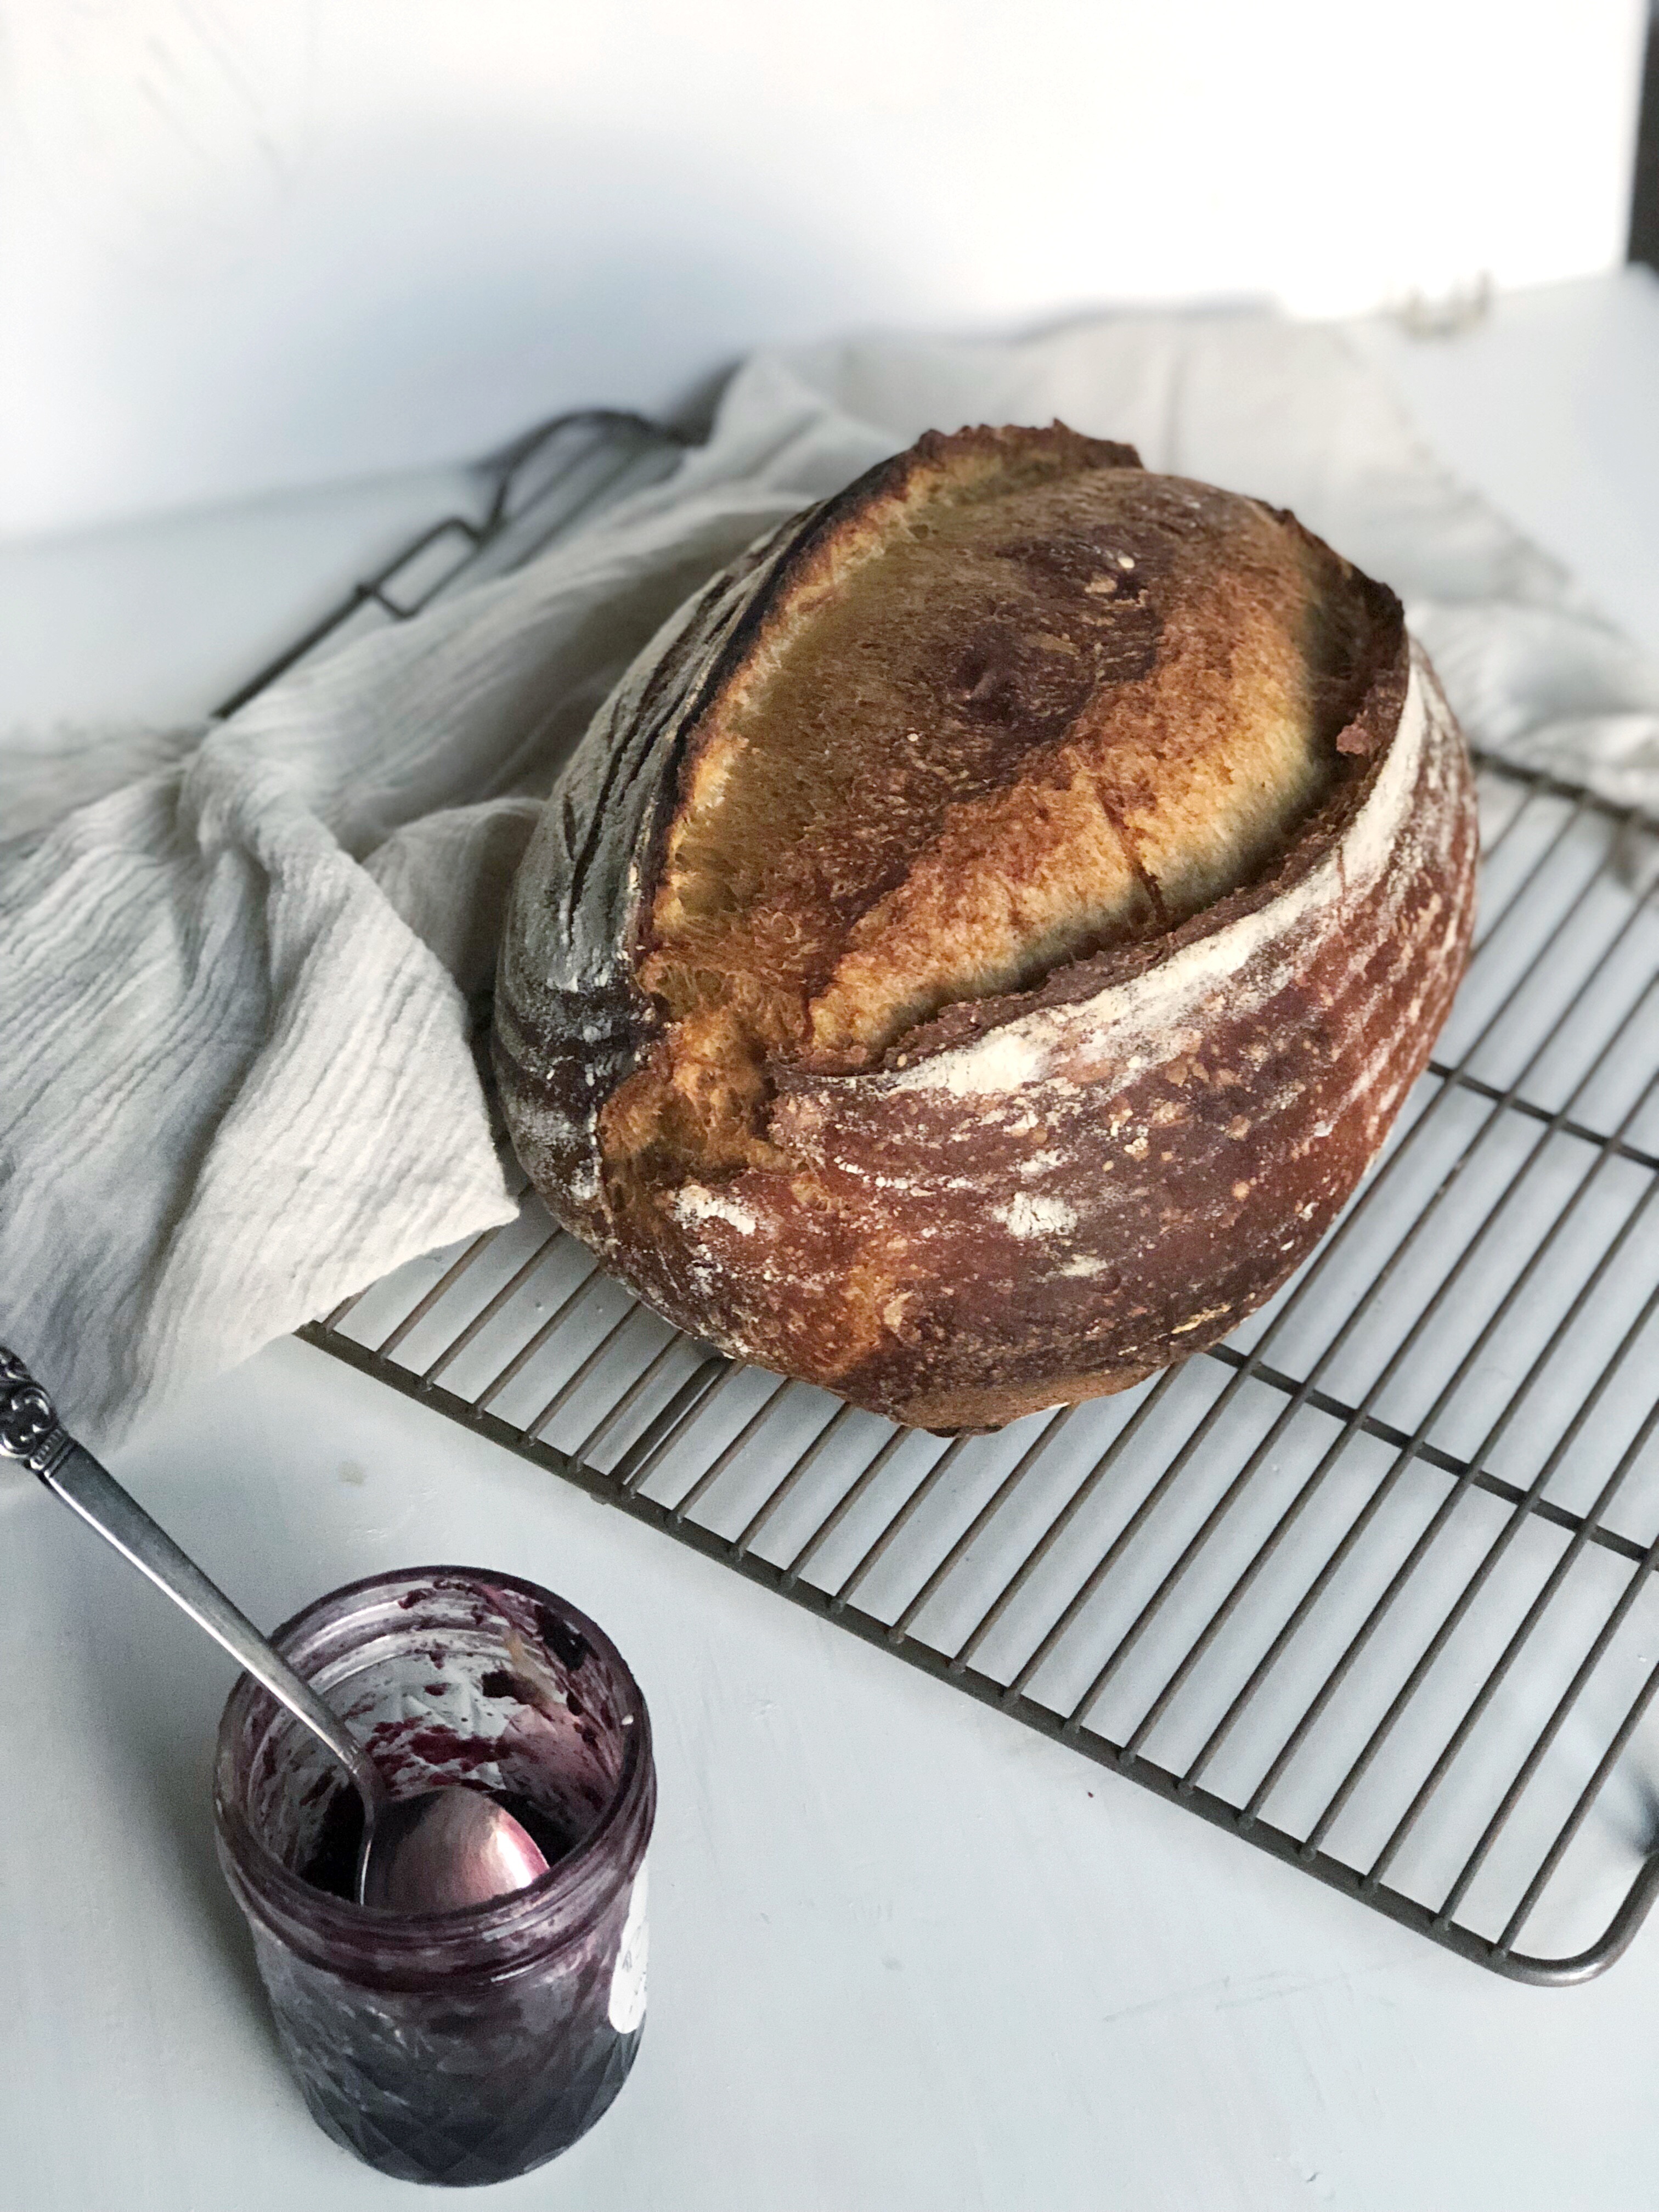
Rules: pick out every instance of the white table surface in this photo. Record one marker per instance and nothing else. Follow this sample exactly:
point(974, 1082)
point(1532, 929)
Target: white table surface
point(905, 1952)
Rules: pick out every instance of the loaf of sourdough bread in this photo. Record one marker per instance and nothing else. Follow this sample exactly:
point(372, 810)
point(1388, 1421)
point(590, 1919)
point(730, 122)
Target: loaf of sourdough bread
point(978, 948)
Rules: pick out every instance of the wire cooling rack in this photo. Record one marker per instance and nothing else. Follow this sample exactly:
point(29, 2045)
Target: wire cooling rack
point(1371, 1584)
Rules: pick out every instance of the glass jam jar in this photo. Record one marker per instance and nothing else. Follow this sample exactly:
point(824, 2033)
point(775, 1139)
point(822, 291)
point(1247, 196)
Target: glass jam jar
point(469, 2046)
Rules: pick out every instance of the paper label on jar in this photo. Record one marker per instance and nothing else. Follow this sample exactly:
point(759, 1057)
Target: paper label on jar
point(627, 2007)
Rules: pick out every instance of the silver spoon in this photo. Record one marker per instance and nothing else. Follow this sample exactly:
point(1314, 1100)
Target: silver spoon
point(432, 1853)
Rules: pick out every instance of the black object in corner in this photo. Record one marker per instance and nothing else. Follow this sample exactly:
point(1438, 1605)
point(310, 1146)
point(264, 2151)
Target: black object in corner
point(1644, 189)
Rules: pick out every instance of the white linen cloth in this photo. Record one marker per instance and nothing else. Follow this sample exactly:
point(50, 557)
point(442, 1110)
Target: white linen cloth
point(236, 1082)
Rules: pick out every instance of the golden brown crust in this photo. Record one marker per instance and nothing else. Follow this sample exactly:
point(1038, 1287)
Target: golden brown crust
point(975, 954)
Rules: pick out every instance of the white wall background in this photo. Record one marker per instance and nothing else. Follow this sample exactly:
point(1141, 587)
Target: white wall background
point(251, 243)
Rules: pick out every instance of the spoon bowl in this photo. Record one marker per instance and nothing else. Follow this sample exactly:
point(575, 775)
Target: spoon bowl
point(436, 1852)
point(444, 1849)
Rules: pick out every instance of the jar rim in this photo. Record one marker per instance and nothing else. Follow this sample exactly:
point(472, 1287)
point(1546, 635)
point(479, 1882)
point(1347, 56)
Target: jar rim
point(278, 1886)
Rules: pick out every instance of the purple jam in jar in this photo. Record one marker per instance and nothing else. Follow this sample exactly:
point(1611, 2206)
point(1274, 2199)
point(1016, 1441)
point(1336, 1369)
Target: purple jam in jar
point(466, 2046)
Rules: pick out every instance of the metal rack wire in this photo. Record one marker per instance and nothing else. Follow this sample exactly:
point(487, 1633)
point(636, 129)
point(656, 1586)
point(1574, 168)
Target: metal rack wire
point(1371, 1584)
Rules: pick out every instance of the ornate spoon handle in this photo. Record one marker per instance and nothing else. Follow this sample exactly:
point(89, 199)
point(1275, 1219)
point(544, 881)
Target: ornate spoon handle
point(32, 1434)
